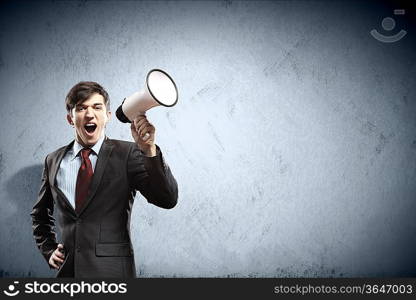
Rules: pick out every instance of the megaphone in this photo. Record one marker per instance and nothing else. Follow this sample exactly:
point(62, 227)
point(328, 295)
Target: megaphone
point(160, 89)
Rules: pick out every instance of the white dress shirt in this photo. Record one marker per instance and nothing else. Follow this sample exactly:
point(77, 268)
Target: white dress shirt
point(66, 178)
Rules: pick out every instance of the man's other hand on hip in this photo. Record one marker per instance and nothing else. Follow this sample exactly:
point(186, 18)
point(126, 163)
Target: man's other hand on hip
point(57, 257)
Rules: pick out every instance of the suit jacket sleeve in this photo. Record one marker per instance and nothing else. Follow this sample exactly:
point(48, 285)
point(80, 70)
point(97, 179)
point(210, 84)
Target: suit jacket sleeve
point(43, 222)
point(152, 177)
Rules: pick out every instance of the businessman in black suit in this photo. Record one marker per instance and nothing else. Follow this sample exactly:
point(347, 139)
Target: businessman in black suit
point(92, 183)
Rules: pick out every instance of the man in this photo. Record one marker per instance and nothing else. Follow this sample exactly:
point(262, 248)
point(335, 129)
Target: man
point(93, 182)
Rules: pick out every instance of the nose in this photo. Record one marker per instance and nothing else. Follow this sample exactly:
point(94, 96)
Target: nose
point(89, 113)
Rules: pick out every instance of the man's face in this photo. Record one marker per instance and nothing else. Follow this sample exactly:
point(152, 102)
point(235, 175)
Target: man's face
point(89, 119)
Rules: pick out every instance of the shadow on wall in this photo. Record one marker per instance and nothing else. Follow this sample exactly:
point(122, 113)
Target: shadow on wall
point(23, 258)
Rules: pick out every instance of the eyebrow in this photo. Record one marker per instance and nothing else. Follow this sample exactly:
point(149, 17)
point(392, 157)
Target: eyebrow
point(94, 104)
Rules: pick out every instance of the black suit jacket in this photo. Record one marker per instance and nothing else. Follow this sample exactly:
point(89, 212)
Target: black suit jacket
point(97, 240)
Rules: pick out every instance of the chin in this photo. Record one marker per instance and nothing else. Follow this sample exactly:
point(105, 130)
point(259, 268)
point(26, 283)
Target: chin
point(88, 141)
point(92, 142)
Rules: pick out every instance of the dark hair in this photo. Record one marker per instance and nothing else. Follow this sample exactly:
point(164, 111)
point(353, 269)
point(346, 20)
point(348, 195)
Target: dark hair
point(82, 91)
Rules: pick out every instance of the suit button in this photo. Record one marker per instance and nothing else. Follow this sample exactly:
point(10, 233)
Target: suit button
point(79, 221)
point(78, 249)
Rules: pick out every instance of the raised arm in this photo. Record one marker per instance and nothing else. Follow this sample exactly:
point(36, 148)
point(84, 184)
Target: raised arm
point(147, 169)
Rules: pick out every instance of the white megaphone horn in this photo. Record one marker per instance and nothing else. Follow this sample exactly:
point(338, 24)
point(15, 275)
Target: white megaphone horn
point(160, 89)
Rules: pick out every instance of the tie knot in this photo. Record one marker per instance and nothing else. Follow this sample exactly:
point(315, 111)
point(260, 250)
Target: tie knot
point(85, 152)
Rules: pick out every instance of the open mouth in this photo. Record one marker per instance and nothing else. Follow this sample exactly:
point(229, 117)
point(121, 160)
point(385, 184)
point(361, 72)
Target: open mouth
point(90, 127)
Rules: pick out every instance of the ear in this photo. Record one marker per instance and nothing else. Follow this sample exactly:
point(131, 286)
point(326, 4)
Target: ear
point(108, 116)
point(69, 119)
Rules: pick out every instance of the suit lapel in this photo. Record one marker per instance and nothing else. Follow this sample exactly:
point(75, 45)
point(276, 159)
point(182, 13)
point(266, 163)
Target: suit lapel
point(103, 157)
point(54, 171)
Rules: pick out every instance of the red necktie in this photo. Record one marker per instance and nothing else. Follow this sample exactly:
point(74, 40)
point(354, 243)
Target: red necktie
point(83, 180)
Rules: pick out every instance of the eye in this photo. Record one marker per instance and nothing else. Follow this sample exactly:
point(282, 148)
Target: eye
point(98, 107)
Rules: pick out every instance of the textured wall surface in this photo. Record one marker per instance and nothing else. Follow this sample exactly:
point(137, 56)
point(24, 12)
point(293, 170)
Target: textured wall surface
point(293, 142)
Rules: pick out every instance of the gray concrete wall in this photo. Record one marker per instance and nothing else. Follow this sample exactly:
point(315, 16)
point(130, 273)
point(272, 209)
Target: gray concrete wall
point(293, 142)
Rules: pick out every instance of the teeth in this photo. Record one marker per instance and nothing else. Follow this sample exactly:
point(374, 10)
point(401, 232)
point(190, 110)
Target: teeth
point(90, 124)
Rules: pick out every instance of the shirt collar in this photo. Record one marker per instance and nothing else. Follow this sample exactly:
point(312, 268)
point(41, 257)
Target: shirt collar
point(78, 147)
